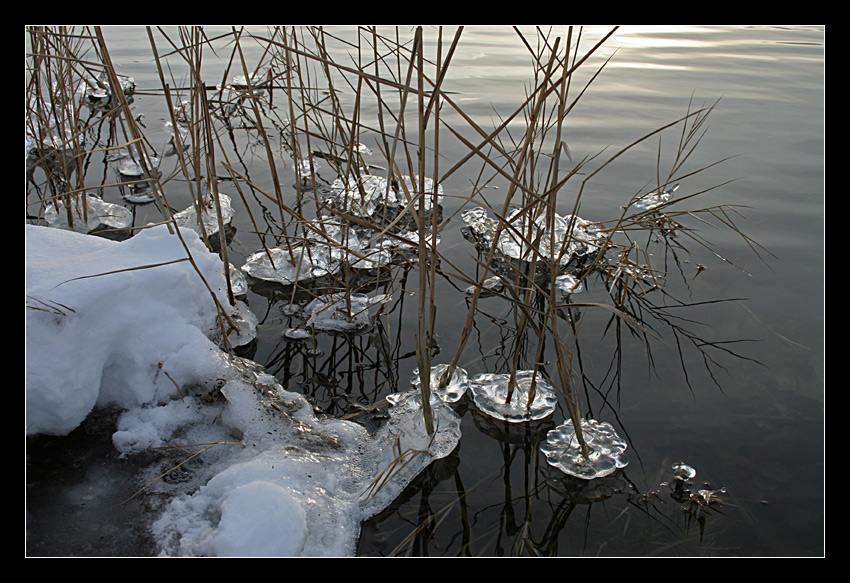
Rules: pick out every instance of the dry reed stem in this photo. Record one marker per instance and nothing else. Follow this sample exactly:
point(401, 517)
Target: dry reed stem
point(530, 164)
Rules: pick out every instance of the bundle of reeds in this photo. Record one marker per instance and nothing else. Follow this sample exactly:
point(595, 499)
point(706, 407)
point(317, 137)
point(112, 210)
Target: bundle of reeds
point(305, 105)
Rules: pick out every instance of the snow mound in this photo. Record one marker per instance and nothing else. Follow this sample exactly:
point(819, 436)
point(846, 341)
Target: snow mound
point(130, 325)
point(108, 323)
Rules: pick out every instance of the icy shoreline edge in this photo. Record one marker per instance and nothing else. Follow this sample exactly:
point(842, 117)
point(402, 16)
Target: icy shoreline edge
point(296, 486)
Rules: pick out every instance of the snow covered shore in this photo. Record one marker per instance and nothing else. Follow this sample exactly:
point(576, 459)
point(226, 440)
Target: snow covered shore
point(130, 324)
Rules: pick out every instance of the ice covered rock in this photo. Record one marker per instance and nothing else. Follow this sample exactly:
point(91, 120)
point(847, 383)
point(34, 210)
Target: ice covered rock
point(279, 525)
point(490, 393)
point(305, 484)
point(607, 449)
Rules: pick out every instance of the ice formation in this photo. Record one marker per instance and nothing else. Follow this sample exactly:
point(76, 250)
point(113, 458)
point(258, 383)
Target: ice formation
point(128, 168)
point(333, 238)
point(302, 486)
point(188, 217)
point(347, 243)
point(44, 131)
point(297, 333)
point(97, 215)
point(136, 174)
point(238, 283)
point(305, 169)
point(244, 328)
point(406, 417)
point(452, 392)
point(95, 93)
point(326, 245)
point(342, 312)
point(367, 259)
point(407, 240)
point(290, 265)
point(232, 95)
point(479, 222)
point(568, 284)
point(280, 482)
point(607, 449)
point(490, 286)
point(490, 393)
point(361, 196)
point(683, 471)
point(581, 491)
point(655, 199)
point(568, 237)
point(180, 137)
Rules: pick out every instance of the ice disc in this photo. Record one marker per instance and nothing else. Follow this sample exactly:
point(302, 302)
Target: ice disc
point(455, 388)
point(490, 393)
point(607, 449)
point(289, 266)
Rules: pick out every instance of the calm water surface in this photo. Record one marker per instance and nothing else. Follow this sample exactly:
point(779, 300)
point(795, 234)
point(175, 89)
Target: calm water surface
point(754, 426)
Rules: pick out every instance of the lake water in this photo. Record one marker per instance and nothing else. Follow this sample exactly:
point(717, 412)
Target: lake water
point(747, 410)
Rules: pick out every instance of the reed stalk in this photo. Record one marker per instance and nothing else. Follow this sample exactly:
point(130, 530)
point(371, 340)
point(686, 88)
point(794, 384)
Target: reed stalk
point(326, 98)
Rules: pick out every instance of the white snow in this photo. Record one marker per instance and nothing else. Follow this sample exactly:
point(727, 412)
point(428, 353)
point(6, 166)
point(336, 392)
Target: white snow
point(104, 326)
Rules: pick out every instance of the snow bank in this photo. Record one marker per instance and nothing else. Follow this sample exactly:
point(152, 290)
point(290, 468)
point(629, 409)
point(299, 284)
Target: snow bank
point(100, 332)
point(110, 339)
